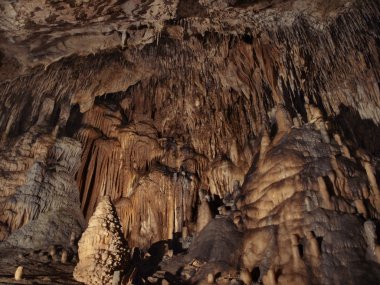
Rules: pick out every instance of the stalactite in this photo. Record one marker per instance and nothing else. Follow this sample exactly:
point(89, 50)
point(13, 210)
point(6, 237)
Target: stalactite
point(208, 98)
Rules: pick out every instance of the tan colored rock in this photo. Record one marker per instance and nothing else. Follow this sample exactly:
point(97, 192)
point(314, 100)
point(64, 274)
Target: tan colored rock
point(102, 248)
point(169, 97)
point(265, 142)
point(344, 149)
point(210, 278)
point(283, 119)
point(371, 237)
point(295, 251)
point(204, 213)
point(359, 204)
point(313, 244)
point(19, 273)
point(64, 257)
point(245, 276)
point(324, 193)
point(72, 239)
point(185, 232)
point(269, 278)
point(296, 122)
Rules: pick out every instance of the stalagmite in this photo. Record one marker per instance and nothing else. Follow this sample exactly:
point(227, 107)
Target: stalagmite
point(204, 213)
point(102, 248)
point(19, 273)
point(210, 278)
point(52, 251)
point(64, 257)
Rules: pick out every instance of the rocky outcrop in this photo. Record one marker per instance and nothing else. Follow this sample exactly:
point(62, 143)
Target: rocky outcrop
point(40, 198)
point(102, 248)
point(299, 212)
point(299, 202)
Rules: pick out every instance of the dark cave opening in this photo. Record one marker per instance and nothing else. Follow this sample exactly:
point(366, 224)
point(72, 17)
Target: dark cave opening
point(255, 274)
point(319, 240)
point(300, 249)
point(329, 186)
point(356, 129)
point(215, 202)
point(74, 122)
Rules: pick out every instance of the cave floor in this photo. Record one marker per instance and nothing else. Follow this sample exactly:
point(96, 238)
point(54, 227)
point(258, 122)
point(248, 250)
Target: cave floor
point(39, 268)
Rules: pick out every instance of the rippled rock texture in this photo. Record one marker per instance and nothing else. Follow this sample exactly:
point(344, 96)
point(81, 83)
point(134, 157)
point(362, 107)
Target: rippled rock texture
point(258, 118)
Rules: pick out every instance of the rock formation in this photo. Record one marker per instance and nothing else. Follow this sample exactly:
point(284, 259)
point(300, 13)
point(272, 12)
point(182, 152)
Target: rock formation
point(102, 248)
point(289, 209)
point(18, 273)
point(239, 122)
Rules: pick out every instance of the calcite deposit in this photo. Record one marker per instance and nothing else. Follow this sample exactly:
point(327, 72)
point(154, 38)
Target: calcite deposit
point(102, 248)
point(236, 141)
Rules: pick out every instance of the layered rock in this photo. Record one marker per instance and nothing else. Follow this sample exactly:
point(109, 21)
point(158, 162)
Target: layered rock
point(102, 247)
point(40, 197)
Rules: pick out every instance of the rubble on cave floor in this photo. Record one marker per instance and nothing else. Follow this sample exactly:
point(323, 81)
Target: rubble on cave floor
point(40, 266)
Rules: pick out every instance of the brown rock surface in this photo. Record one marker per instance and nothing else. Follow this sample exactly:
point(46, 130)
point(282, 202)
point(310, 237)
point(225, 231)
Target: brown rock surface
point(239, 122)
point(300, 212)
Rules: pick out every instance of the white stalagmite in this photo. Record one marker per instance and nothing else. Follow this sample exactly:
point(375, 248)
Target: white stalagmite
point(18, 273)
point(102, 247)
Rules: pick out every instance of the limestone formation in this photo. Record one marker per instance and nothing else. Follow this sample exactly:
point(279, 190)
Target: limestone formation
point(371, 237)
point(269, 278)
point(245, 276)
point(64, 257)
point(18, 273)
point(283, 121)
point(102, 248)
point(210, 278)
point(237, 139)
point(204, 213)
